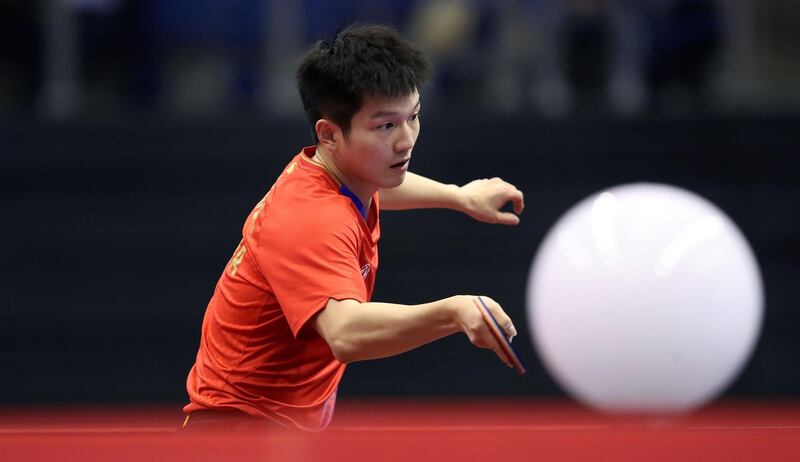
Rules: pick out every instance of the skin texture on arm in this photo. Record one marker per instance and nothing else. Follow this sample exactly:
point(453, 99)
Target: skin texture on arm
point(358, 331)
point(418, 192)
point(481, 199)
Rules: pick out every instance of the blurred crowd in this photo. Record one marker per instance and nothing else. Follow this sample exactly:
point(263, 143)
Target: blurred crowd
point(98, 58)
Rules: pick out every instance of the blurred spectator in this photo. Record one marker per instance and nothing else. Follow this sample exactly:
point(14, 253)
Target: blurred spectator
point(587, 46)
point(240, 54)
point(588, 56)
point(208, 53)
point(206, 57)
point(113, 55)
point(684, 41)
point(20, 52)
point(509, 57)
point(623, 54)
point(458, 35)
point(323, 18)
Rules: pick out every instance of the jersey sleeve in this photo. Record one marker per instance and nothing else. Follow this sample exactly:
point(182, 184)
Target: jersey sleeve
point(307, 260)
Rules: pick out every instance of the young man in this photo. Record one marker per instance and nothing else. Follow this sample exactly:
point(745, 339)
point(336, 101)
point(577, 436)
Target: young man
point(292, 307)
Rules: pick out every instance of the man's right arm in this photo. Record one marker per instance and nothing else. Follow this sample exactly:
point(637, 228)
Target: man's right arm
point(357, 331)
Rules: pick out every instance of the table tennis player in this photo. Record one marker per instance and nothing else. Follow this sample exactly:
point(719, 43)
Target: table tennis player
point(293, 305)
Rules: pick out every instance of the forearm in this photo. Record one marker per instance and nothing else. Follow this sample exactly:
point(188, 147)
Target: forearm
point(358, 331)
point(418, 192)
point(481, 199)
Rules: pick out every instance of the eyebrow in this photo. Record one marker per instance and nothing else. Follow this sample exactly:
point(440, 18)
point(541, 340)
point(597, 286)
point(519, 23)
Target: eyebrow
point(380, 114)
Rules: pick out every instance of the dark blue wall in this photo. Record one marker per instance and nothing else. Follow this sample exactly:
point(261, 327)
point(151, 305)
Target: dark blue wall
point(113, 234)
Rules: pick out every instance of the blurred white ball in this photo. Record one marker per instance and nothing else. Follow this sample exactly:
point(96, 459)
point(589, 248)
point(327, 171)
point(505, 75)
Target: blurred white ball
point(644, 298)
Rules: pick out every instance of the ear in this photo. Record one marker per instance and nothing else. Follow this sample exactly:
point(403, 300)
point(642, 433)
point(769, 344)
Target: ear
point(328, 134)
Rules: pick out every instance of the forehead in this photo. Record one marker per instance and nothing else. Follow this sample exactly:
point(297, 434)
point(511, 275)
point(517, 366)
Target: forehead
point(383, 105)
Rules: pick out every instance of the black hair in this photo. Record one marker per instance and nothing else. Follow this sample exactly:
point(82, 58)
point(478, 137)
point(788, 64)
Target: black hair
point(361, 61)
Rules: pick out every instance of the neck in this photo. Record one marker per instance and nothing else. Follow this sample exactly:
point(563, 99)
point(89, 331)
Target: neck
point(364, 193)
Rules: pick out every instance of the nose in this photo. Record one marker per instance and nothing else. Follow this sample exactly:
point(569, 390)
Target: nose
point(407, 136)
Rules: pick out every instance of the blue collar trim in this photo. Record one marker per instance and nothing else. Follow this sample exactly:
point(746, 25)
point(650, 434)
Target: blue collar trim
point(359, 205)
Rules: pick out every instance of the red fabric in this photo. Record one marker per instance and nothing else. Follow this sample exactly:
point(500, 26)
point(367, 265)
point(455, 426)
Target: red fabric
point(301, 245)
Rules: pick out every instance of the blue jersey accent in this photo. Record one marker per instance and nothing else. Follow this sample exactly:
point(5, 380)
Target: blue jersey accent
point(355, 199)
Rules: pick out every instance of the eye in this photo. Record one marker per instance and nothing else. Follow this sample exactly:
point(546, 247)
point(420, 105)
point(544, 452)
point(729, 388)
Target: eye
point(385, 126)
point(414, 117)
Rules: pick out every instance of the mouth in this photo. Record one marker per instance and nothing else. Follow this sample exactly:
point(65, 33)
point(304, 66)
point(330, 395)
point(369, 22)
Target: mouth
point(402, 165)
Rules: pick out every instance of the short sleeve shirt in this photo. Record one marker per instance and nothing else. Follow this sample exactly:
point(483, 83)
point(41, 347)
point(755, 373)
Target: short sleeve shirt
point(302, 244)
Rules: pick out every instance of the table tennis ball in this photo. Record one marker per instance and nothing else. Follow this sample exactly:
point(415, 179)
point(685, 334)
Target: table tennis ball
point(644, 298)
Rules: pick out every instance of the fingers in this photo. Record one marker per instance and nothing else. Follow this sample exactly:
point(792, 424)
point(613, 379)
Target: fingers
point(509, 194)
point(506, 218)
point(502, 318)
point(486, 198)
point(515, 196)
point(484, 337)
point(518, 199)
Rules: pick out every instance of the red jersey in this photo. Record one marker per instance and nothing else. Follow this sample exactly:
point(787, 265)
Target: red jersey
point(302, 244)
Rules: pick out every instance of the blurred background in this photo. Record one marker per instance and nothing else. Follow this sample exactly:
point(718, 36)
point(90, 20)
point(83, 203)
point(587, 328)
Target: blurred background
point(135, 136)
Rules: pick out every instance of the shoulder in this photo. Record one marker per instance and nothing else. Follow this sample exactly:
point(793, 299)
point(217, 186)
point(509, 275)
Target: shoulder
point(323, 215)
point(302, 211)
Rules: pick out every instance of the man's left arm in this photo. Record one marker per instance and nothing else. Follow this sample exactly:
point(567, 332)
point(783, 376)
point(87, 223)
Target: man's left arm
point(481, 199)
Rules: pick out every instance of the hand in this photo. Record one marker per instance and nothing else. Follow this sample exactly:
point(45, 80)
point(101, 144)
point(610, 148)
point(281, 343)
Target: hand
point(484, 198)
point(472, 323)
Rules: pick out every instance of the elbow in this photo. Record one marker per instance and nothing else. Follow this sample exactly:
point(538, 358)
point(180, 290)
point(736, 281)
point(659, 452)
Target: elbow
point(335, 324)
point(340, 344)
point(343, 351)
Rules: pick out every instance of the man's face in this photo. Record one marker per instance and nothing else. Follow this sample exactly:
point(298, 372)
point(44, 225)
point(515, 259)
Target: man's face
point(377, 150)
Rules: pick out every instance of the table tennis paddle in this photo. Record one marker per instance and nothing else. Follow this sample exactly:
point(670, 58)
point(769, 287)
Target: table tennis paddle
point(500, 335)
